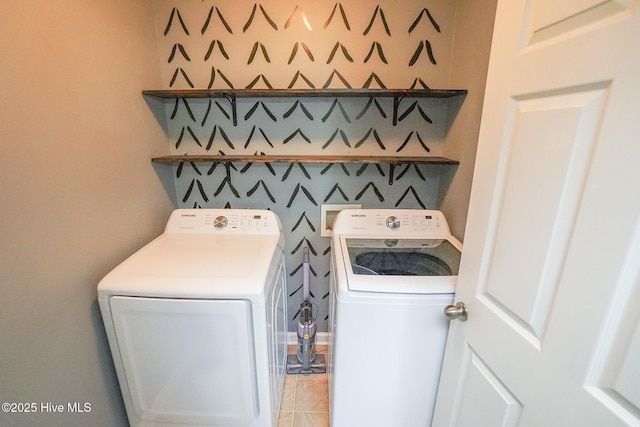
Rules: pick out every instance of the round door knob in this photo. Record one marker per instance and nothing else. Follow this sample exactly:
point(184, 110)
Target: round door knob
point(220, 222)
point(458, 311)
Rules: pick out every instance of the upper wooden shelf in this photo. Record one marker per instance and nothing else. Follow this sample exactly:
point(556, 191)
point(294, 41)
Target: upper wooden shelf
point(288, 93)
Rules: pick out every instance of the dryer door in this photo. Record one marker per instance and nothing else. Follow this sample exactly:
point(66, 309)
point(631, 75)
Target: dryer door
point(187, 361)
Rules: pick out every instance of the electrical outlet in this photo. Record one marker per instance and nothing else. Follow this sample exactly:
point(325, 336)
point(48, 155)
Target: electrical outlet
point(328, 215)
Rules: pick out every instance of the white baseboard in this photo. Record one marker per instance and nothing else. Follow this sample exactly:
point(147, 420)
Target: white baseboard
point(322, 338)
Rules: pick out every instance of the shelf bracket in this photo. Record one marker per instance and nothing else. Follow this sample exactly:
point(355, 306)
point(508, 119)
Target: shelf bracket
point(234, 110)
point(396, 105)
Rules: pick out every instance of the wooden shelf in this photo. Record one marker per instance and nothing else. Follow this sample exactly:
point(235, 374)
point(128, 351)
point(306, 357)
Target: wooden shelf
point(393, 161)
point(303, 159)
point(288, 93)
point(232, 94)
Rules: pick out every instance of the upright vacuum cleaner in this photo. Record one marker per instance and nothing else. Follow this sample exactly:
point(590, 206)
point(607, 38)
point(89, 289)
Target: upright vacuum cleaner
point(306, 361)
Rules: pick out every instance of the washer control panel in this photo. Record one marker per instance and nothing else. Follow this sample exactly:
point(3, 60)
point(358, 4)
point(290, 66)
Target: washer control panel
point(412, 221)
point(391, 222)
point(227, 221)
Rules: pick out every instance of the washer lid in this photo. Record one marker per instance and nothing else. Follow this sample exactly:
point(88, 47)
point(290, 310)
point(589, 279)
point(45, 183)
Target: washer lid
point(403, 257)
point(197, 266)
point(401, 265)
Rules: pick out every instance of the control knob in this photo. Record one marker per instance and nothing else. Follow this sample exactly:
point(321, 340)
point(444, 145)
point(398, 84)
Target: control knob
point(220, 222)
point(393, 222)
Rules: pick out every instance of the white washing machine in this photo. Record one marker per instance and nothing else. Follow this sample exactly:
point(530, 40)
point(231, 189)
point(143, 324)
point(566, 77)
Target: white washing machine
point(393, 271)
point(196, 321)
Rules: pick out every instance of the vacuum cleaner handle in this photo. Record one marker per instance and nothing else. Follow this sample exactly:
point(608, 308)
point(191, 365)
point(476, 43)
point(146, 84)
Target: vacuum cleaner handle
point(306, 293)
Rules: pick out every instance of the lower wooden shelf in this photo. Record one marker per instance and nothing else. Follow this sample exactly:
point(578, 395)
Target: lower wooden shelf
point(304, 159)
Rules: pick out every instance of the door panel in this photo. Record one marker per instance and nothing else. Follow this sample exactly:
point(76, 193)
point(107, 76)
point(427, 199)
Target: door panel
point(626, 382)
point(626, 385)
point(614, 375)
point(553, 19)
point(551, 262)
point(485, 394)
point(548, 149)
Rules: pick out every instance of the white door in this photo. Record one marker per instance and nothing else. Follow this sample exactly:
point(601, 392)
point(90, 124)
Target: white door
point(551, 266)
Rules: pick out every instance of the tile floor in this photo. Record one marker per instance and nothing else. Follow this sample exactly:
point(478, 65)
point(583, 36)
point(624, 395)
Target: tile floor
point(305, 399)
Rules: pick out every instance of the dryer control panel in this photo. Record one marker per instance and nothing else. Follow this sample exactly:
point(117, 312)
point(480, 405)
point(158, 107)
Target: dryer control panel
point(226, 221)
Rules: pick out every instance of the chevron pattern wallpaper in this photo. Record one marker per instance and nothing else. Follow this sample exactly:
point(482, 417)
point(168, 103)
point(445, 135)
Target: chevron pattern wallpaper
point(306, 44)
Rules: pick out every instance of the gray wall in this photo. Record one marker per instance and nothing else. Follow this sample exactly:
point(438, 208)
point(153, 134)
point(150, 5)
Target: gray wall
point(78, 194)
point(230, 44)
point(471, 46)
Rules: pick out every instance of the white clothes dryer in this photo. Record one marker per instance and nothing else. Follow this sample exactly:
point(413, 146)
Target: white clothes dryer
point(196, 321)
point(393, 271)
